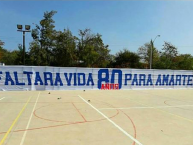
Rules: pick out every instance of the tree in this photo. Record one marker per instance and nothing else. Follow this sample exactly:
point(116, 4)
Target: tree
point(91, 49)
point(37, 55)
point(19, 59)
point(168, 56)
point(14, 57)
point(111, 61)
point(145, 52)
point(1, 53)
point(185, 62)
point(65, 46)
point(8, 57)
point(1, 49)
point(127, 59)
point(61, 48)
point(1, 43)
point(43, 36)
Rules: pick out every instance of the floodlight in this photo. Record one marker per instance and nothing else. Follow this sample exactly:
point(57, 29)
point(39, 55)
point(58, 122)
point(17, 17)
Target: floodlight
point(27, 27)
point(19, 27)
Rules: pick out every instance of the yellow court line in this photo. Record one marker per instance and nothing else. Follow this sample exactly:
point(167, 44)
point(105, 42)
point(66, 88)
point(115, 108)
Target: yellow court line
point(164, 111)
point(16, 119)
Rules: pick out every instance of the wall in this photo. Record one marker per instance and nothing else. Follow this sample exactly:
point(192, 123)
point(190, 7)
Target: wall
point(61, 78)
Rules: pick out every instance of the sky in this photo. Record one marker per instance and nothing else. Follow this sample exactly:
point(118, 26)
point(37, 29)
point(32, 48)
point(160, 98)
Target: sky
point(122, 24)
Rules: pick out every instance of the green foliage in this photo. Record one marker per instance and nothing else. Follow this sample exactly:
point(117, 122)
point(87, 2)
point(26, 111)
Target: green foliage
point(185, 62)
point(145, 52)
point(43, 42)
point(37, 54)
point(91, 50)
point(168, 57)
point(64, 49)
point(127, 59)
point(8, 57)
point(1, 49)
point(61, 48)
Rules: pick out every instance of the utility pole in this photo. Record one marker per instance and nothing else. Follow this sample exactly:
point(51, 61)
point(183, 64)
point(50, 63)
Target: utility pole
point(151, 55)
point(20, 29)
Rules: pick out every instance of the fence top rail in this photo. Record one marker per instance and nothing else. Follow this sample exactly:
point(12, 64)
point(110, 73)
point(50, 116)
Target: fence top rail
point(14, 66)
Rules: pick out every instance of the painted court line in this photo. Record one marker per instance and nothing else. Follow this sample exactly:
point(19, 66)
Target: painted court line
point(178, 116)
point(79, 112)
point(150, 107)
point(15, 121)
point(2, 98)
point(29, 121)
point(123, 131)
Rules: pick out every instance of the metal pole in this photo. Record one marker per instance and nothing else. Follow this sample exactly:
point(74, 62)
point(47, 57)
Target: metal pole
point(151, 54)
point(23, 47)
point(27, 29)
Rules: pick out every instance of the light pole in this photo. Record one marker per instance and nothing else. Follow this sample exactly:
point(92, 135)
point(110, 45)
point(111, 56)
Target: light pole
point(151, 55)
point(20, 29)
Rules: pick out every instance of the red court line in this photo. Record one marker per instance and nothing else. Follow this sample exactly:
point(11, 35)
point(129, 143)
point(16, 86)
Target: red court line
point(44, 127)
point(60, 125)
point(175, 107)
point(79, 112)
point(71, 123)
point(46, 118)
point(135, 131)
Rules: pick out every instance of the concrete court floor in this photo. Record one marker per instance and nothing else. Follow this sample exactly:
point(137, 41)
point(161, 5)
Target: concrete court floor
point(116, 117)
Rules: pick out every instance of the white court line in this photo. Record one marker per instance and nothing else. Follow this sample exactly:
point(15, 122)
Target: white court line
point(123, 131)
point(2, 98)
point(153, 107)
point(24, 135)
